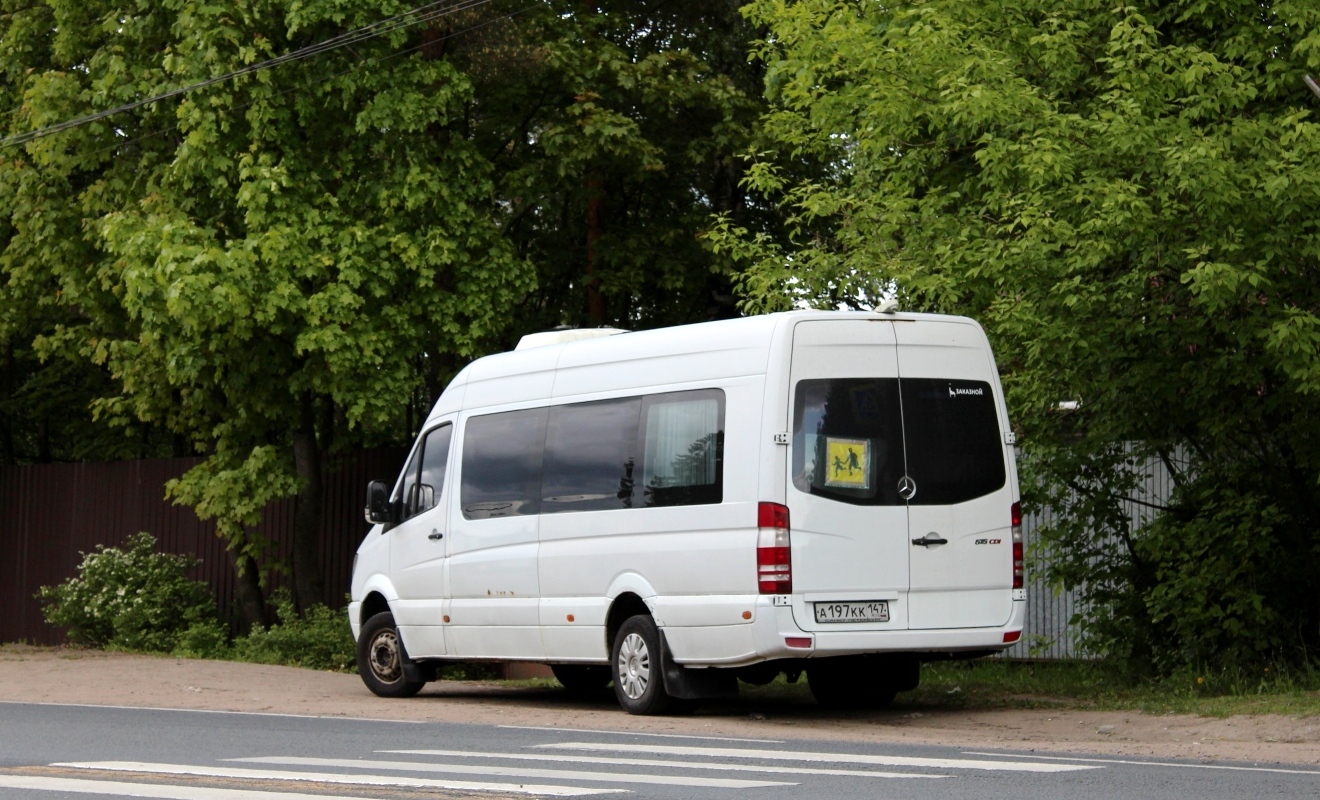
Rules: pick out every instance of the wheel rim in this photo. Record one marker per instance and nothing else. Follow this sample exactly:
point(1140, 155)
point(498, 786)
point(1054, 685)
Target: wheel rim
point(385, 656)
point(634, 666)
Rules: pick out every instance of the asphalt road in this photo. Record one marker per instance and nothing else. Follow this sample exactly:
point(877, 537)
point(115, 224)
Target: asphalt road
point(49, 752)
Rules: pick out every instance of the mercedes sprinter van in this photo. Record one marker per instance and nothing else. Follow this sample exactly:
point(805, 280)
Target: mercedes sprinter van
point(675, 510)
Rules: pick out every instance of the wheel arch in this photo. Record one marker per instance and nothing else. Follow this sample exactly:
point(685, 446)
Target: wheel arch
point(373, 604)
point(624, 606)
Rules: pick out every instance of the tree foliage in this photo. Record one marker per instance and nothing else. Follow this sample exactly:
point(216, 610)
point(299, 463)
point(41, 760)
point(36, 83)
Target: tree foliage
point(614, 129)
point(276, 268)
point(1127, 197)
point(265, 265)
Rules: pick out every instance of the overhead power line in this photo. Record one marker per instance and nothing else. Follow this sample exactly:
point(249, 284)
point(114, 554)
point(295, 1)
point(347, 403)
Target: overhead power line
point(421, 14)
point(332, 76)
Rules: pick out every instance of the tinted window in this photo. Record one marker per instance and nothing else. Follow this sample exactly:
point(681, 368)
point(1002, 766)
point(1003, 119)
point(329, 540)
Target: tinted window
point(683, 448)
point(408, 485)
point(502, 464)
point(847, 439)
point(954, 451)
point(435, 455)
point(590, 456)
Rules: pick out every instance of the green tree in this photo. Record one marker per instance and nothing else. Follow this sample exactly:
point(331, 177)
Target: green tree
point(269, 266)
point(1127, 197)
point(615, 128)
point(45, 392)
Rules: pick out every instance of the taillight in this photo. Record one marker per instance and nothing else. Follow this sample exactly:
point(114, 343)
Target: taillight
point(1019, 567)
point(774, 567)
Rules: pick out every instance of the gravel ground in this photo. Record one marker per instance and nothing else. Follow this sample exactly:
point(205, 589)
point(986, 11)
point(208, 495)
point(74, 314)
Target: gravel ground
point(42, 675)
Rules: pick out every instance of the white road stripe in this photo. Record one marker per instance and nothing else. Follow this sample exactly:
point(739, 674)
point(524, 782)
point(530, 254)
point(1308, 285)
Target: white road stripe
point(324, 777)
point(637, 733)
point(1314, 772)
point(836, 758)
point(157, 790)
point(513, 772)
point(647, 762)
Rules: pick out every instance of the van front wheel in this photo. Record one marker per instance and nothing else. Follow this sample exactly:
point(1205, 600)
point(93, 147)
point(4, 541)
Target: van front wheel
point(638, 674)
point(381, 656)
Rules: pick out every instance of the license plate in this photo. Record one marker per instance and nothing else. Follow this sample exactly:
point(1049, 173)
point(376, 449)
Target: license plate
point(857, 611)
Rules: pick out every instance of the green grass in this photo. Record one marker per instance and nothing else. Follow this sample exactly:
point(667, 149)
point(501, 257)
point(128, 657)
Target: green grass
point(990, 684)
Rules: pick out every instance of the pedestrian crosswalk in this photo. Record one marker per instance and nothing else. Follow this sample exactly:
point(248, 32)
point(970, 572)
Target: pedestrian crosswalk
point(560, 767)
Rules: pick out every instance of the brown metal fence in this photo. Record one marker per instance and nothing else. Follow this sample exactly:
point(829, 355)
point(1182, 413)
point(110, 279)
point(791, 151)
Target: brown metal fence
point(51, 513)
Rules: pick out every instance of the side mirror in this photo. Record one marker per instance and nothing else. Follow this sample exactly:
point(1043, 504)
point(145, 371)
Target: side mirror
point(426, 497)
point(378, 510)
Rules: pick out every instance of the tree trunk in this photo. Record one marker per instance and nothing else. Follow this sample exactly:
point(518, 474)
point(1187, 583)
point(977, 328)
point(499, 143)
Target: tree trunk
point(308, 588)
point(595, 197)
point(247, 588)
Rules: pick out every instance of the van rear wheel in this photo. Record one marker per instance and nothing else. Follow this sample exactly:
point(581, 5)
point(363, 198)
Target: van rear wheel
point(381, 658)
point(582, 678)
point(639, 682)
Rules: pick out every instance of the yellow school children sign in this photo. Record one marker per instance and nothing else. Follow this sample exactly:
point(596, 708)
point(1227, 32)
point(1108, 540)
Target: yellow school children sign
point(848, 463)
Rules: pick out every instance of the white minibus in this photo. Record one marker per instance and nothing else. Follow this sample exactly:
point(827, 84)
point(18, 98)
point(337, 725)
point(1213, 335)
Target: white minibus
point(675, 510)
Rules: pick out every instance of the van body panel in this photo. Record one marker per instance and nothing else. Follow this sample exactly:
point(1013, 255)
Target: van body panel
point(492, 575)
point(840, 547)
point(773, 624)
point(509, 378)
point(711, 645)
point(634, 362)
point(697, 610)
point(418, 567)
point(968, 582)
point(573, 628)
point(450, 401)
point(772, 464)
point(697, 560)
point(504, 642)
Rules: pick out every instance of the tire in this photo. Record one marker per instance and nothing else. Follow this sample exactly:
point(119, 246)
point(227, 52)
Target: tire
point(381, 656)
point(638, 674)
point(849, 683)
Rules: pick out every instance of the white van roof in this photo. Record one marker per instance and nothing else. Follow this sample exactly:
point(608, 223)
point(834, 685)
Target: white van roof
point(661, 356)
point(563, 336)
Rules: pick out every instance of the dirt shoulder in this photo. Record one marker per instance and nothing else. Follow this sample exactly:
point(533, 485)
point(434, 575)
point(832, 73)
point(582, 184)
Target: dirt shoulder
point(115, 679)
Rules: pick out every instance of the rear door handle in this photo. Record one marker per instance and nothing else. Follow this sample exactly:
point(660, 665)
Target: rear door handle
point(930, 539)
point(436, 535)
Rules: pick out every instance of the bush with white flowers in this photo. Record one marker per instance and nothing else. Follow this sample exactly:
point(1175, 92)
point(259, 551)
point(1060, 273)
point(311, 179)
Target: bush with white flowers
point(130, 598)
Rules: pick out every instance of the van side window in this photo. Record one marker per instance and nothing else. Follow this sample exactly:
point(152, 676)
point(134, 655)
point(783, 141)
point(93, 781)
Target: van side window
point(421, 490)
point(590, 456)
point(848, 440)
point(954, 451)
point(435, 455)
point(502, 455)
point(683, 448)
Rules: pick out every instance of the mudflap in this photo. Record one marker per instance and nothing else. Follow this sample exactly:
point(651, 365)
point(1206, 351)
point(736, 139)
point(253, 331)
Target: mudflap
point(424, 671)
point(695, 684)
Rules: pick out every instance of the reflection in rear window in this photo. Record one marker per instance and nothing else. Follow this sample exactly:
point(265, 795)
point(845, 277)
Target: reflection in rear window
point(953, 447)
point(854, 439)
point(847, 440)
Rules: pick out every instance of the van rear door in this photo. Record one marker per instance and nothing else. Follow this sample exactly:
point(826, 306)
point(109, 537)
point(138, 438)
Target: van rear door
point(850, 543)
point(953, 418)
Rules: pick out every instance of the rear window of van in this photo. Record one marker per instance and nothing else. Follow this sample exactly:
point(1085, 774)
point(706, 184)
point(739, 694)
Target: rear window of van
point(855, 439)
